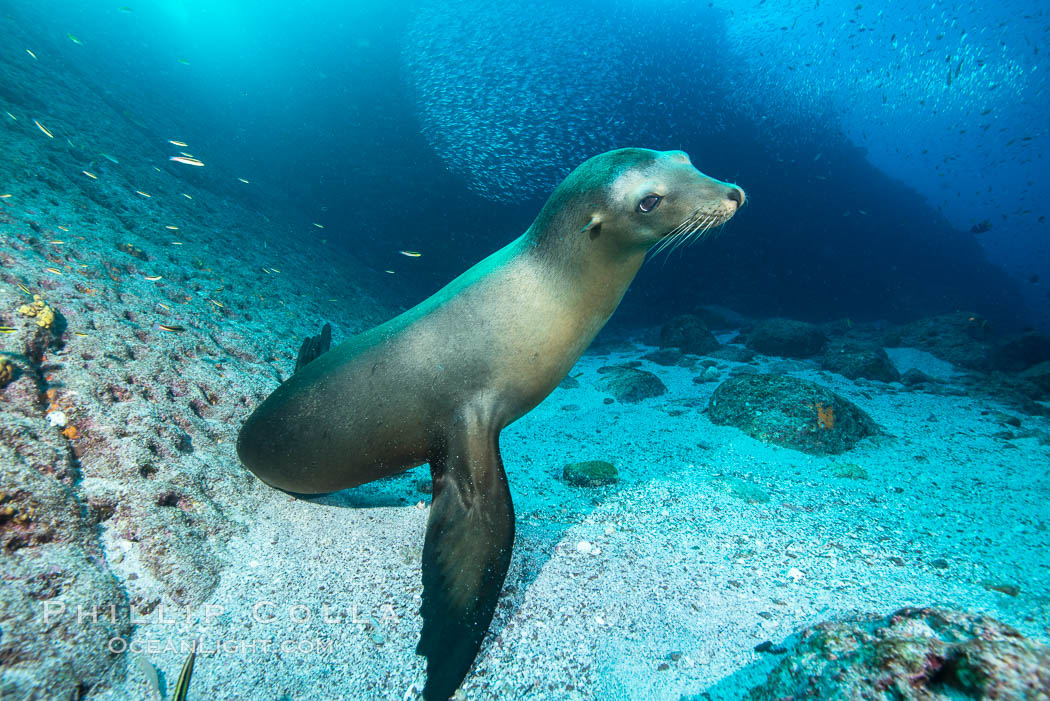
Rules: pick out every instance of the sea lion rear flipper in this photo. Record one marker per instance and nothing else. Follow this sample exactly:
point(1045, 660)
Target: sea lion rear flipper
point(465, 556)
point(314, 346)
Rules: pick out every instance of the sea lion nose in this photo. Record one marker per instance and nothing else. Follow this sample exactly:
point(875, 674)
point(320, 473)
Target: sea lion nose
point(736, 195)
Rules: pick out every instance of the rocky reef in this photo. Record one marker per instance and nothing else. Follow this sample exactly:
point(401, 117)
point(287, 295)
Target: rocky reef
point(915, 653)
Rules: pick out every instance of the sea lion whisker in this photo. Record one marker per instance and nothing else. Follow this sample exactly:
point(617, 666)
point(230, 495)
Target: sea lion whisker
point(697, 222)
point(679, 240)
point(661, 246)
point(714, 222)
point(689, 220)
point(669, 237)
point(683, 237)
point(699, 225)
point(720, 227)
point(680, 228)
point(679, 232)
point(692, 223)
point(665, 244)
point(697, 231)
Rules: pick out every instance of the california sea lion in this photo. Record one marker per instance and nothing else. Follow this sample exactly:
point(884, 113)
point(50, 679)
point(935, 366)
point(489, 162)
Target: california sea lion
point(438, 383)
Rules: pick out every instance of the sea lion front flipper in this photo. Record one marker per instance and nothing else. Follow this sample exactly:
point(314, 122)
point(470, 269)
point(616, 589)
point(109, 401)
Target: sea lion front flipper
point(465, 556)
point(314, 347)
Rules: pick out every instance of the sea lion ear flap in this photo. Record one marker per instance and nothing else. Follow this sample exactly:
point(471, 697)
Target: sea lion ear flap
point(593, 227)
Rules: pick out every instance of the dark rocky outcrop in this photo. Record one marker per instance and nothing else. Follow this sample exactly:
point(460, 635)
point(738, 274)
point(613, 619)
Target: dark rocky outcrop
point(857, 359)
point(786, 338)
point(736, 354)
point(664, 356)
point(960, 338)
point(689, 334)
point(1038, 377)
point(722, 318)
point(914, 376)
point(1018, 353)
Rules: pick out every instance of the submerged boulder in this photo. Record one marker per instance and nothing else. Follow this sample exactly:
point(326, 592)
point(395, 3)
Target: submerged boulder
point(630, 384)
point(592, 473)
point(664, 356)
point(722, 318)
point(856, 359)
point(786, 338)
point(1021, 352)
point(960, 338)
point(790, 412)
point(915, 653)
point(1039, 378)
point(689, 334)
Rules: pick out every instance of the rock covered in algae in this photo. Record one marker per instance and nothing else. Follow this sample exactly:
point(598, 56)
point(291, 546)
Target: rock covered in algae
point(592, 473)
point(630, 384)
point(856, 359)
point(785, 337)
point(689, 334)
point(960, 338)
point(915, 653)
point(790, 412)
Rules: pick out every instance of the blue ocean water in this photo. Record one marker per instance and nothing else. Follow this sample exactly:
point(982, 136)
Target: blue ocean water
point(362, 155)
point(460, 112)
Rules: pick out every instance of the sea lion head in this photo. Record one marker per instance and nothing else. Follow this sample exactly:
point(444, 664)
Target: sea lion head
point(632, 199)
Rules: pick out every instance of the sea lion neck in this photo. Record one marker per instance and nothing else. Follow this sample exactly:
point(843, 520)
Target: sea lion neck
point(590, 273)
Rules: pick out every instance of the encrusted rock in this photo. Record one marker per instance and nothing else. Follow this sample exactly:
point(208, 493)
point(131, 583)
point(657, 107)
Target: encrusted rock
point(664, 356)
point(915, 653)
point(960, 338)
point(630, 384)
point(856, 359)
point(786, 338)
point(790, 412)
point(1021, 352)
point(689, 334)
point(52, 567)
point(1039, 376)
point(592, 473)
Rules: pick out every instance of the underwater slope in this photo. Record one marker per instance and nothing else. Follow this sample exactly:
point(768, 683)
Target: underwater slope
point(142, 315)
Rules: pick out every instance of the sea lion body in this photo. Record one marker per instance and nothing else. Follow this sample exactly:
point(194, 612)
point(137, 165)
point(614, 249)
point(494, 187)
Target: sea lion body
point(438, 383)
point(375, 405)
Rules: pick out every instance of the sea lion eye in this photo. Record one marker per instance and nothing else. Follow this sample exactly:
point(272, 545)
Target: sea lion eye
point(649, 203)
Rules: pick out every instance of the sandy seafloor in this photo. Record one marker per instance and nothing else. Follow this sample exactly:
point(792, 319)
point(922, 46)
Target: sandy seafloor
point(682, 580)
